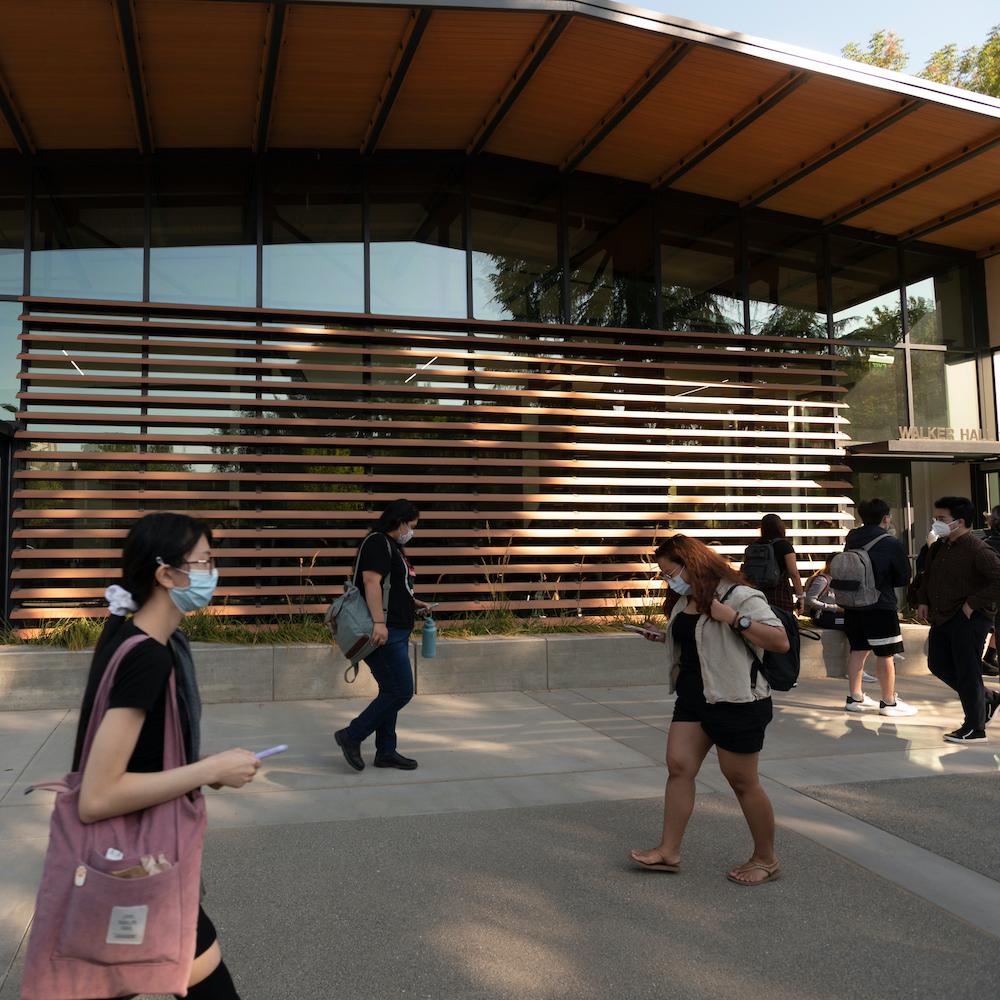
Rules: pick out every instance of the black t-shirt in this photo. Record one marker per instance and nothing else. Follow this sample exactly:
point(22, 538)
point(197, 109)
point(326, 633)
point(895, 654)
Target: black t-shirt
point(782, 547)
point(141, 682)
point(380, 558)
point(684, 635)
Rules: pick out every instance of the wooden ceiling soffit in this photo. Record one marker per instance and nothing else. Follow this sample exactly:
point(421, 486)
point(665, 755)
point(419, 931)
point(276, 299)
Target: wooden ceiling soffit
point(838, 147)
point(648, 82)
point(952, 218)
point(529, 65)
point(128, 38)
point(759, 107)
point(268, 73)
point(415, 27)
point(14, 121)
point(931, 170)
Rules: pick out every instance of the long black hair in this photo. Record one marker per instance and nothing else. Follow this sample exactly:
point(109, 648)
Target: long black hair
point(167, 536)
point(397, 513)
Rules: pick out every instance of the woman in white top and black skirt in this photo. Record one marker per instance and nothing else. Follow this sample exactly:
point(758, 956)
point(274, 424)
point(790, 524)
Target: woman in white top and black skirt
point(721, 700)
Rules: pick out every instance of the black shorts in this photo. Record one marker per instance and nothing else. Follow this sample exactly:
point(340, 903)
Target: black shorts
point(877, 630)
point(734, 726)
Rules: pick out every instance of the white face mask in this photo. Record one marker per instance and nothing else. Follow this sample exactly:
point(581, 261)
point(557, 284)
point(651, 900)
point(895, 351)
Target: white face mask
point(405, 535)
point(941, 529)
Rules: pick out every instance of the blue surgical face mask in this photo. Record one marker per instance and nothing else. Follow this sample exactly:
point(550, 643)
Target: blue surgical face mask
point(679, 585)
point(198, 593)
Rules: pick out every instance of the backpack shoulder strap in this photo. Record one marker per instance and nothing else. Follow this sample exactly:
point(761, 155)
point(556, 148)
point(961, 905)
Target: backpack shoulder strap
point(874, 541)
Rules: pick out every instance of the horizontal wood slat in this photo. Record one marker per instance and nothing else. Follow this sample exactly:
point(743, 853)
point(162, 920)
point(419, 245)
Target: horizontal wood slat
point(547, 461)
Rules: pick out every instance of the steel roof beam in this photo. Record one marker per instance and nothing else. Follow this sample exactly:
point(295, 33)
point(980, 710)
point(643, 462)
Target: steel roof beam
point(269, 74)
point(407, 49)
point(643, 87)
point(759, 107)
point(529, 66)
point(838, 147)
point(14, 121)
point(968, 152)
point(952, 218)
point(128, 35)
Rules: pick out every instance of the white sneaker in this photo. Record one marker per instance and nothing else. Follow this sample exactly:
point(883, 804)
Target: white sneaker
point(900, 708)
point(860, 706)
point(866, 678)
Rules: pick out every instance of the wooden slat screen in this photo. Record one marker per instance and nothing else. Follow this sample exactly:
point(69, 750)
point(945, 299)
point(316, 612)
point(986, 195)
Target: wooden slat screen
point(546, 461)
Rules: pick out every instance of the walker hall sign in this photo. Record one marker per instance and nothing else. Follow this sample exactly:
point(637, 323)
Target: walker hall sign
point(940, 434)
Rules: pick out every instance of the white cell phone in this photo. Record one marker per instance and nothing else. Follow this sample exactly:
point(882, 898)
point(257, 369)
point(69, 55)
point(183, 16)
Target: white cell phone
point(639, 631)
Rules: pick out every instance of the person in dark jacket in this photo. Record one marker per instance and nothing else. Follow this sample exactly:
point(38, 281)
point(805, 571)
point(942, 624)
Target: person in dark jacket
point(991, 668)
point(875, 629)
point(958, 595)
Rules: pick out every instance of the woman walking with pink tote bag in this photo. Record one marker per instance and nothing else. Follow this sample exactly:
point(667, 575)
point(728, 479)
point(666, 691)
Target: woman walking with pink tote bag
point(118, 910)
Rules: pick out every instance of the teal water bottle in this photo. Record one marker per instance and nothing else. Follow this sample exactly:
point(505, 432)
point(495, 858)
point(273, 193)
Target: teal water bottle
point(429, 638)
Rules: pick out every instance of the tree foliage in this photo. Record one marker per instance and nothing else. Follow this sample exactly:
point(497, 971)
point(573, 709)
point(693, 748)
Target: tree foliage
point(976, 68)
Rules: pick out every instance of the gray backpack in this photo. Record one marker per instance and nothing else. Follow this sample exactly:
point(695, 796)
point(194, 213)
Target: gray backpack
point(853, 578)
point(350, 621)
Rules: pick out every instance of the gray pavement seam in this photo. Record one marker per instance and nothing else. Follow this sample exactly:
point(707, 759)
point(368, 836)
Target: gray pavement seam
point(31, 759)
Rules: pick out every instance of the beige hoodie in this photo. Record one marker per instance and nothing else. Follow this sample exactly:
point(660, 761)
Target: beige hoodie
point(726, 660)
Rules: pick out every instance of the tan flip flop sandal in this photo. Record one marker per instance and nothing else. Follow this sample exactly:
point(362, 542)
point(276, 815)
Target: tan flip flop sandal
point(661, 866)
point(771, 872)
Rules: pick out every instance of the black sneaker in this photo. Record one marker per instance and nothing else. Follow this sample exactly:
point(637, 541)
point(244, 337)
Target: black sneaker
point(966, 735)
point(352, 750)
point(395, 760)
point(990, 669)
point(992, 705)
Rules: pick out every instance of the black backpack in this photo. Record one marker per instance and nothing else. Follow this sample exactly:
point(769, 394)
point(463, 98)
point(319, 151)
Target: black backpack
point(780, 670)
point(760, 565)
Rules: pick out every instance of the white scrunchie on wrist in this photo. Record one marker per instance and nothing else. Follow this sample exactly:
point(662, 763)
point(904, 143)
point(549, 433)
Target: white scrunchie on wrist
point(119, 600)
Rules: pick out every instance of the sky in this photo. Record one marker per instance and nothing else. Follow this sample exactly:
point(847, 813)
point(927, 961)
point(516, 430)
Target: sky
point(828, 26)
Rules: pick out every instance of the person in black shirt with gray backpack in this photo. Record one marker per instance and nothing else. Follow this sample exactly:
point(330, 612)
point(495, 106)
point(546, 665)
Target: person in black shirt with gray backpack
point(864, 578)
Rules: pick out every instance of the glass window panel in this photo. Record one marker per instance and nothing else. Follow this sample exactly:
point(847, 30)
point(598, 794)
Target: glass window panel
point(313, 241)
point(699, 267)
point(515, 242)
point(9, 366)
point(786, 280)
point(938, 300)
point(88, 227)
point(203, 231)
point(945, 389)
point(12, 176)
point(866, 299)
point(876, 392)
point(417, 255)
point(610, 237)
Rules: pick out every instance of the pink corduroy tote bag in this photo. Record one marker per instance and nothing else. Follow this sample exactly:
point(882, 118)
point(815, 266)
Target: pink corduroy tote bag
point(96, 934)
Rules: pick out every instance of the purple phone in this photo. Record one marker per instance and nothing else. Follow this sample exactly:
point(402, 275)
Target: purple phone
point(270, 751)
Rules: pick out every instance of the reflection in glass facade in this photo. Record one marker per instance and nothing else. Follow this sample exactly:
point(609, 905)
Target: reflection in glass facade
point(514, 234)
point(313, 253)
point(498, 239)
point(203, 232)
point(700, 274)
point(876, 392)
point(88, 226)
point(9, 329)
point(418, 263)
point(610, 247)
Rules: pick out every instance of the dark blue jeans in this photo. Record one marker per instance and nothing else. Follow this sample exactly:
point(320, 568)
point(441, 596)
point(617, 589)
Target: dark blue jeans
point(390, 666)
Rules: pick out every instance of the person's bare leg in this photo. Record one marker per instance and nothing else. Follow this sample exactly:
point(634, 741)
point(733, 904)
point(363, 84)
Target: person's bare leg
point(687, 746)
point(205, 964)
point(855, 667)
point(885, 671)
point(740, 770)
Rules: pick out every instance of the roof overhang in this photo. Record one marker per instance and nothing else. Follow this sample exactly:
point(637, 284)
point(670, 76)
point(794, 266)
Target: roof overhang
point(595, 86)
point(927, 450)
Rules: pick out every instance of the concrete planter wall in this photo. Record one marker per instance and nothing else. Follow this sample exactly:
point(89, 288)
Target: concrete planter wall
point(34, 677)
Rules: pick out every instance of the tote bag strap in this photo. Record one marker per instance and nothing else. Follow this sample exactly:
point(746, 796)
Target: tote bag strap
point(103, 694)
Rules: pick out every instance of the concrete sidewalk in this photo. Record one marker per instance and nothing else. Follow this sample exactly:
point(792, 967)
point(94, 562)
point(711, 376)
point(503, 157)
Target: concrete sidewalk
point(497, 870)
